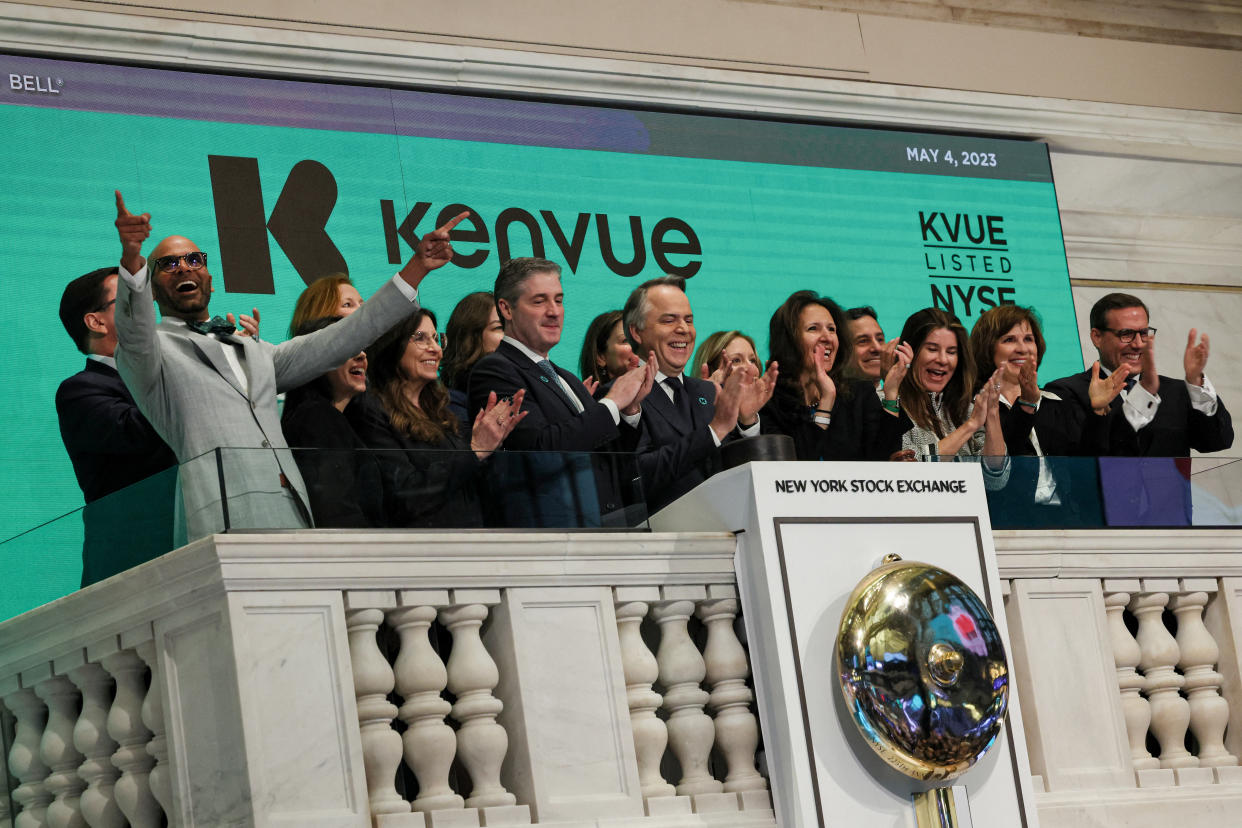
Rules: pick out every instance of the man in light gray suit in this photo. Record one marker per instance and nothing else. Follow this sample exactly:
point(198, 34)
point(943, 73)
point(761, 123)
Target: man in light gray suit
point(203, 388)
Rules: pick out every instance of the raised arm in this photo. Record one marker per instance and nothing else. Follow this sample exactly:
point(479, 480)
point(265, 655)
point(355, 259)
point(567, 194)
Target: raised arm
point(138, 348)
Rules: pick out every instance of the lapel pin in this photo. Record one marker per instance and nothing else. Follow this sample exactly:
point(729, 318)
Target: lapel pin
point(702, 400)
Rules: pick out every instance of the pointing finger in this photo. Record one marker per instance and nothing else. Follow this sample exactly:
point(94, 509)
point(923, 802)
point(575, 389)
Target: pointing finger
point(442, 231)
point(121, 211)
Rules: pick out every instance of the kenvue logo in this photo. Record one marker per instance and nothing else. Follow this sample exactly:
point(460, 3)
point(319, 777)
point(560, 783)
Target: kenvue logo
point(299, 220)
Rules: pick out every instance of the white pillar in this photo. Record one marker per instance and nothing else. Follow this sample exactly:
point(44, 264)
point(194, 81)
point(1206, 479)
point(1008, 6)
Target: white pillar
point(90, 737)
point(59, 754)
point(153, 718)
point(641, 670)
point(1209, 713)
point(421, 676)
point(373, 681)
point(690, 730)
point(25, 763)
point(737, 729)
point(472, 675)
point(1170, 714)
point(133, 789)
point(1126, 656)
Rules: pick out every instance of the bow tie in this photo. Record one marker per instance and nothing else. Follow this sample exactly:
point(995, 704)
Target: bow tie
point(215, 325)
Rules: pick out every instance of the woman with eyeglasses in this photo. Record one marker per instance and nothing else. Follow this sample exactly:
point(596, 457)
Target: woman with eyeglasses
point(430, 471)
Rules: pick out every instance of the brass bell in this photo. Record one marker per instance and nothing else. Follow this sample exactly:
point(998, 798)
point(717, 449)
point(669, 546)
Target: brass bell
point(922, 668)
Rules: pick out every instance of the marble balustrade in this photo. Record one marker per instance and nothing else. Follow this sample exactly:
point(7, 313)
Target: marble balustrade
point(1126, 647)
point(512, 679)
point(391, 680)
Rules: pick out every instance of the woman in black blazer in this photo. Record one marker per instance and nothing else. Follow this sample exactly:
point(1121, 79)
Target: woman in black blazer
point(828, 417)
point(342, 480)
point(431, 473)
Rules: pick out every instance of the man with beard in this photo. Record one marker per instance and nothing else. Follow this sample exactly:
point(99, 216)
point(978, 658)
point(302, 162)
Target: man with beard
point(204, 388)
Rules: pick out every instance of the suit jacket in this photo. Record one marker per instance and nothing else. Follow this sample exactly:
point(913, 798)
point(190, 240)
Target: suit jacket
point(558, 489)
point(184, 385)
point(110, 443)
point(676, 454)
point(860, 429)
point(425, 484)
point(115, 451)
point(1176, 429)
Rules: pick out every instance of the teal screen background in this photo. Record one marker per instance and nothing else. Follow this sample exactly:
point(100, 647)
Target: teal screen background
point(766, 228)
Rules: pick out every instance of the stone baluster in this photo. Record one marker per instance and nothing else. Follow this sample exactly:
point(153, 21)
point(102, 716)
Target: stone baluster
point(1209, 713)
point(90, 737)
point(1126, 656)
point(153, 718)
point(737, 729)
point(641, 670)
point(58, 752)
point(25, 763)
point(6, 816)
point(1170, 714)
point(682, 670)
point(472, 675)
point(373, 681)
point(133, 789)
point(421, 676)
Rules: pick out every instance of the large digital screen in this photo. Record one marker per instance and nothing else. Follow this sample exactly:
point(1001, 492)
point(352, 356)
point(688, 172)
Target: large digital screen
point(281, 182)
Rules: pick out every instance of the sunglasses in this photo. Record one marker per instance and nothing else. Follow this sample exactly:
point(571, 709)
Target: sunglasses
point(193, 260)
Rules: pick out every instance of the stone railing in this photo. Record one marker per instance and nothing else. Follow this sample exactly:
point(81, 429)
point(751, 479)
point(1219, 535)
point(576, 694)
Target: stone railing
point(391, 679)
point(1126, 650)
point(481, 679)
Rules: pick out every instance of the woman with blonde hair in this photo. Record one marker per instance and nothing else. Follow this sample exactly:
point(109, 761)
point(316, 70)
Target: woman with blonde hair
point(724, 348)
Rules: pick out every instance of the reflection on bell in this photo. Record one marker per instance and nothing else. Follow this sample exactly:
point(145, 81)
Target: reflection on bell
point(923, 672)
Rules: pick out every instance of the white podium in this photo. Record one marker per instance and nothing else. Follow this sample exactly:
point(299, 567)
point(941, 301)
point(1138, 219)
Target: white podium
point(807, 534)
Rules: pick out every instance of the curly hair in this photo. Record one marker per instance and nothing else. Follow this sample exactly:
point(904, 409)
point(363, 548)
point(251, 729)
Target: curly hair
point(785, 343)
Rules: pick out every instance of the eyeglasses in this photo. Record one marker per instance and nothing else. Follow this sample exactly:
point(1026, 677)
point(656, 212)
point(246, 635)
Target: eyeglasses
point(425, 340)
point(1126, 335)
point(193, 260)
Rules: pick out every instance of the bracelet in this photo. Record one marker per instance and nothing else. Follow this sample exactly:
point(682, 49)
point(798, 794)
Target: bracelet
point(1029, 405)
point(827, 411)
point(823, 419)
point(892, 405)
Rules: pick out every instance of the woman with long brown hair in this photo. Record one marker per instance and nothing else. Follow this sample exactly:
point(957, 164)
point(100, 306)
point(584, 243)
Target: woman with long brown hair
point(606, 353)
point(473, 332)
point(828, 416)
point(430, 470)
point(936, 393)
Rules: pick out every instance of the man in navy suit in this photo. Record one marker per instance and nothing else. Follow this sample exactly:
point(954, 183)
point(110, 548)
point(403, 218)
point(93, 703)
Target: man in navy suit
point(685, 420)
point(563, 488)
point(1134, 412)
point(110, 444)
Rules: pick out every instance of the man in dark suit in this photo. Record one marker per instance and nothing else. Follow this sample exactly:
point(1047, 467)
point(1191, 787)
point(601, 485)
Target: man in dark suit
point(684, 420)
point(1145, 414)
point(110, 444)
point(558, 489)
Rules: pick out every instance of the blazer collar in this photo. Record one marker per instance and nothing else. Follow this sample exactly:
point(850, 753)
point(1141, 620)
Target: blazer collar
point(210, 350)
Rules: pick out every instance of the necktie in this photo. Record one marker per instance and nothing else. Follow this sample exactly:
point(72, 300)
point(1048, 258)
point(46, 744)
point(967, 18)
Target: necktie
point(555, 380)
point(680, 399)
point(215, 325)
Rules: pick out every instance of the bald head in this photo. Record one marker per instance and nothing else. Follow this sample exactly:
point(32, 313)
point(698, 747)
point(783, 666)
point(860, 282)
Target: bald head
point(180, 281)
